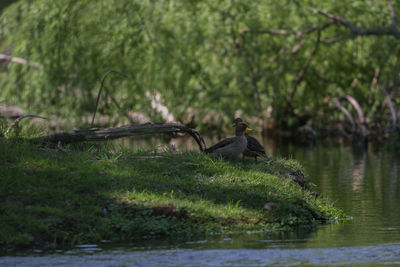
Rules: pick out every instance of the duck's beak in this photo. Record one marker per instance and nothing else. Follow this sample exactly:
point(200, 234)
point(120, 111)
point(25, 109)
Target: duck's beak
point(234, 125)
point(248, 129)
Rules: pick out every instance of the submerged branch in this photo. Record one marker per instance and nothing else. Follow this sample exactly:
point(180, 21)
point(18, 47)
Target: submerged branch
point(392, 110)
point(356, 106)
point(347, 114)
point(360, 114)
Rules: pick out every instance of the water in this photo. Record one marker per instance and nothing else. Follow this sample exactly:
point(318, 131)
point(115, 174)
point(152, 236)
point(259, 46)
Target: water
point(364, 183)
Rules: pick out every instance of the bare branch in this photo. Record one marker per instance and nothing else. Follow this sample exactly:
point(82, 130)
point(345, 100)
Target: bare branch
point(379, 32)
point(356, 106)
point(19, 60)
point(375, 78)
point(273, 32)
point(337, 39)
point(392, 13)
point(17, 121)
point(337, 19)
point(101, 87)
point(390, 30)
point(346, 113)
point(315, 28)
point(288, 32)
point(334, 19)
point(297, 46)
point(360, 114)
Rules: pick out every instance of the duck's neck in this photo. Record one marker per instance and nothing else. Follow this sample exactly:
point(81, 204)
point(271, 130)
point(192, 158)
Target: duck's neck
point(239, 133)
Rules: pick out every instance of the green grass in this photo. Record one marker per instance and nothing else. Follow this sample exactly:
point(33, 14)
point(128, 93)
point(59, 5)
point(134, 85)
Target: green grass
point(90, 193)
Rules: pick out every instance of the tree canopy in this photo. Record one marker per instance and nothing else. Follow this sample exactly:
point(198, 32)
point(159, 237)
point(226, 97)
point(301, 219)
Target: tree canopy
point(281, 61)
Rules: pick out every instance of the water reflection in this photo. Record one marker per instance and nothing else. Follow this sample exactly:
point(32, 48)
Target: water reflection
point(363, 182)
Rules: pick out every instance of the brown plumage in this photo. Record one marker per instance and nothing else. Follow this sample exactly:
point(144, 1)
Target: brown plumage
point(254, 149)
point(230, 147)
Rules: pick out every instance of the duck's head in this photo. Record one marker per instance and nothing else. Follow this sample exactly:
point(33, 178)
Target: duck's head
point(236, 121)
point(241, 127)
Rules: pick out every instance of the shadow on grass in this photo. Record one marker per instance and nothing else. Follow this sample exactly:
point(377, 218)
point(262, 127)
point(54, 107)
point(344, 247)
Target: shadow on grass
point(53, 198)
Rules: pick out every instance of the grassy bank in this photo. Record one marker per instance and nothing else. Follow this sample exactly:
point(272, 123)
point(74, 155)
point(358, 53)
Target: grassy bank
point(90, 193)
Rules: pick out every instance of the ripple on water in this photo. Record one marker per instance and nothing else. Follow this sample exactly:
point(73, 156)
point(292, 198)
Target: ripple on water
point(372, 255)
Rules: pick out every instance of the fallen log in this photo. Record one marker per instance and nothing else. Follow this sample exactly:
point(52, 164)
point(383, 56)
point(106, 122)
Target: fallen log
point(102, 134)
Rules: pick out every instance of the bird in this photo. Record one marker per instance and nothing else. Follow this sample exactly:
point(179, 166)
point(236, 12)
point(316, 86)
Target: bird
point(254, 148)
point(230, 147)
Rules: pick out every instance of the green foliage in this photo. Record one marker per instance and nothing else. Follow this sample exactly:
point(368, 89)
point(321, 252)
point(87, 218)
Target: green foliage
point(193, 54)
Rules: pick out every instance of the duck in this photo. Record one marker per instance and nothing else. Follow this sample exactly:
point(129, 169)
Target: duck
point(254, 148)
point(230, 147)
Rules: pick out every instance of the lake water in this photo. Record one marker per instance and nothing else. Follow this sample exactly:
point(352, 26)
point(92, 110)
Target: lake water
point(364, 183)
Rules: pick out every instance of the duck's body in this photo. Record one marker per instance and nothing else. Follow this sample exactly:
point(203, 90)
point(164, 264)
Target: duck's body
point(253, 149)
point(230, 147)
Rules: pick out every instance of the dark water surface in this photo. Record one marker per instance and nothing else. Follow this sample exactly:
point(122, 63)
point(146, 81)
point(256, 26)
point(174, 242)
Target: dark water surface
point(364, 183)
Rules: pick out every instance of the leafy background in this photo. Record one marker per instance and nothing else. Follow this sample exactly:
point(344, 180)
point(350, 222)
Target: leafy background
point(194, 55)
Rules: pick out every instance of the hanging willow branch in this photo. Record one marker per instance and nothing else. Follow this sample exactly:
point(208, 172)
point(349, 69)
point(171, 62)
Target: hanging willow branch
point(102, 134)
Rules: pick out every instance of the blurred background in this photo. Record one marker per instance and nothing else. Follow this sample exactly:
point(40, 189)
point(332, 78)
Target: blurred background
point(284, 66)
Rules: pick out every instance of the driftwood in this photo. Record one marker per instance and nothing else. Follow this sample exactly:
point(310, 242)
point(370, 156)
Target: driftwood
point(102, 134)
